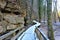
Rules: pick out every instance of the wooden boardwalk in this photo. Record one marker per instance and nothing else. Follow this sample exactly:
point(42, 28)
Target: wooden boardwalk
point(26, 33)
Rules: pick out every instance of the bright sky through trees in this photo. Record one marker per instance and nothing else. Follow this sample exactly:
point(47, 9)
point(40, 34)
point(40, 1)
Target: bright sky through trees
point(58, 5)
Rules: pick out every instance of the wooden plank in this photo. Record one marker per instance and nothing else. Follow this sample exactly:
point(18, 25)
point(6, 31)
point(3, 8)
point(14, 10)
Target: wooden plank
point(11, 32)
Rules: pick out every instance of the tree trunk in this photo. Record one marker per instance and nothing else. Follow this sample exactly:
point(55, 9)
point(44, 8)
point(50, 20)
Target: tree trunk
point(40, 9)
point(29, 5)
point(45, 13)
point(49, 12)
point(55, 11)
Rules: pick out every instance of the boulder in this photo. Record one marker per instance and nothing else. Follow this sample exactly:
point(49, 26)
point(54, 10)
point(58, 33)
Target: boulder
point(20, 20)
point(1, 16)
point(10, 19)
point(14, 19)
point(11, 26)
point(3, 26)
point(12, 6)
point(14, 26)
point(1, 29)
point(2, 3)
point(21, 25)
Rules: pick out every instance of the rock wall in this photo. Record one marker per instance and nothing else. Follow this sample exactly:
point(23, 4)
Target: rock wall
point(13, 5)
point(23, 9)
point(12, 13)
point(10, 21)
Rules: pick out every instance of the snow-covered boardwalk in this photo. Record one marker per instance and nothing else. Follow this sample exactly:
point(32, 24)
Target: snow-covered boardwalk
point(29, 34)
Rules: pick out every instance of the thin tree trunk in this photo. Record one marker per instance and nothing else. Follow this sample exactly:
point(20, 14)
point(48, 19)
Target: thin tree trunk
point(45, 12)
point(40, 9)
point(55, 11)
point(49, 12)
point(29, 5)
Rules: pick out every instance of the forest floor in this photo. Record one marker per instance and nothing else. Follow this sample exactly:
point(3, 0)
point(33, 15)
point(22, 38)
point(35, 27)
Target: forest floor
point(56, 29)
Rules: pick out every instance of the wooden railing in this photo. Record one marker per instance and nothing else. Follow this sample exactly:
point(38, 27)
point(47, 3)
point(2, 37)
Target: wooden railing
point(41, 35)
point(20, 29)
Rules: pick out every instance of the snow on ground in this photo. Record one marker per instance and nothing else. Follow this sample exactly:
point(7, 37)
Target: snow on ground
point(56, 29)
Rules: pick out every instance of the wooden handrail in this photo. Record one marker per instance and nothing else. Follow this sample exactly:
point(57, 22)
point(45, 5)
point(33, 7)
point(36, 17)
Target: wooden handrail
point(42, 34)
point(10, 33)
point(18, 34)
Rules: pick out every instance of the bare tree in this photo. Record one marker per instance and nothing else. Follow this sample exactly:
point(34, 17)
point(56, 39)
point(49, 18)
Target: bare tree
point(49, 12)
point(40, 9)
